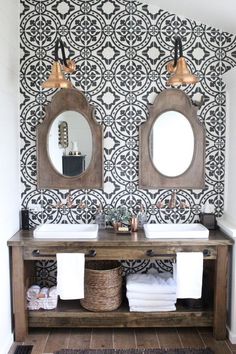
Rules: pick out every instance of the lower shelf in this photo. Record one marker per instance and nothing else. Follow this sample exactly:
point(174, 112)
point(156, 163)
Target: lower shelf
point(71, 314)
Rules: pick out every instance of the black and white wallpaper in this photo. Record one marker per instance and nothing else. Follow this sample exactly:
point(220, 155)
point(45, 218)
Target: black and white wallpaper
point(121, 48)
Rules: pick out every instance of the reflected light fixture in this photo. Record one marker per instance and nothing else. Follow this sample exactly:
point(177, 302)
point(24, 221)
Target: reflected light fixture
point(56, 78)
point(181, 74)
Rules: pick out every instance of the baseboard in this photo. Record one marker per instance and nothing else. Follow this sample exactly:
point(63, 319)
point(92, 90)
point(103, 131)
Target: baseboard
point(231, 336)
point(5, 347)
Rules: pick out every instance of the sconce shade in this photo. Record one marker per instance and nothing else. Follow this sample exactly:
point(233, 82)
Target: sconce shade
point(182, 74)
point(57, 78)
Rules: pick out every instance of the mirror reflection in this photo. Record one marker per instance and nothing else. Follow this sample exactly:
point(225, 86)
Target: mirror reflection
point(172, 144)
point(70, 143)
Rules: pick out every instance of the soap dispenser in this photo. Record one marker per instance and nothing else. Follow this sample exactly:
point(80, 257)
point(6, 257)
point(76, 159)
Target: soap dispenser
point(142, 217)
point(100, 218)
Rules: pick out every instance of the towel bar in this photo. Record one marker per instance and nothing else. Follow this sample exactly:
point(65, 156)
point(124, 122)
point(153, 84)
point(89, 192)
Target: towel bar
point(151, 253)
point(36, 253)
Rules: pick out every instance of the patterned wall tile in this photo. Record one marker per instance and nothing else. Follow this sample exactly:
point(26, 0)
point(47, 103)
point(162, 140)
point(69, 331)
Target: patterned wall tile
point(121, 49)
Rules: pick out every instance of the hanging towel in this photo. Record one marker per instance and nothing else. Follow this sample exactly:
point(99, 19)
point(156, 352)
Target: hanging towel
point(151, 283)
point(150, 296)
point(150, 303)
point(70, 275)
point(188, 273)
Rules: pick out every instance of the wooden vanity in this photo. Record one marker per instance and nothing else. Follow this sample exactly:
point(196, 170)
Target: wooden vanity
point(25, 251)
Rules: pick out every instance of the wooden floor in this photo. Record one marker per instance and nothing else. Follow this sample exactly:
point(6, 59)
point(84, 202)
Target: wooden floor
point(48, 341)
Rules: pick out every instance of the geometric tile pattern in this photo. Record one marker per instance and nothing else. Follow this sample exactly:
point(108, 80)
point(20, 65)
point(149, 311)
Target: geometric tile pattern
point(121, 49)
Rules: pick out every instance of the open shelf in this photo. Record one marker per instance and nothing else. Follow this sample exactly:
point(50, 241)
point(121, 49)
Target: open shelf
point(71, 314)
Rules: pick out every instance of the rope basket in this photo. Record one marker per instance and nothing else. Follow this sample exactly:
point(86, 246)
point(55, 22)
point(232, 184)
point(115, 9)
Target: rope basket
point(102, 286)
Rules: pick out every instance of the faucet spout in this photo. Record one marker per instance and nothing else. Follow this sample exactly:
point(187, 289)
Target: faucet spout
point(172, 202)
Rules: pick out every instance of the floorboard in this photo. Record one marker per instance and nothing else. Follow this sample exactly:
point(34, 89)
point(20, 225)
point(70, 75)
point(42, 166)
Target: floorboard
point(48, 341)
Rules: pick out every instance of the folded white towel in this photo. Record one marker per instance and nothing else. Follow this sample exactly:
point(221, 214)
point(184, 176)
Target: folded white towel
point(152, 309)
point(70, 275)
point(150, 303)
point(151, 296)
point(151, 283)
point(188, 274)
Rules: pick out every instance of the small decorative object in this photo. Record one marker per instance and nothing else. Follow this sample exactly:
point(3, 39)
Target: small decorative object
point(142, 217)
point(134, 223)
point(208, 220)
point(100, 218)
point(63, 134)
point(120, 219)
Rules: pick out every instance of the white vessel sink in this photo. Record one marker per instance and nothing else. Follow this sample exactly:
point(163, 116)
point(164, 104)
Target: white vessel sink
point(175, 231)
point(66, 231)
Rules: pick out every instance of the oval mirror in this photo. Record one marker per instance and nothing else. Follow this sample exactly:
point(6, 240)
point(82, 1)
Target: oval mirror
point(69, 143)
point(172, 144)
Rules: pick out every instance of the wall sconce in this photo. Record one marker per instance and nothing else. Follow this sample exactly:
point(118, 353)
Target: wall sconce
point(181, 74)
point(57, 78)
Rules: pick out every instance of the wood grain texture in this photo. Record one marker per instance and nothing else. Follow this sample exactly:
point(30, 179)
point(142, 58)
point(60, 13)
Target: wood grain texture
point(124, 338)
point(19, 298)
point(47, 176)
point(70, 314)
point(80, 338)
point(58, 339)
point(168, 338)
point(126, 335)
point(190, 338)
point(101, 338)
point(220, 300)
point(146, 338)
point(194, 177)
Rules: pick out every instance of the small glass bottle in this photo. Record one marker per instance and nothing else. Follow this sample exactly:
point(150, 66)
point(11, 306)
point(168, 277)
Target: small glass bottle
point(100, 219)
point(142, 217)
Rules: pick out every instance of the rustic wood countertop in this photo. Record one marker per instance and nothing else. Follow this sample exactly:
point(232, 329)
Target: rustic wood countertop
point(108, 238)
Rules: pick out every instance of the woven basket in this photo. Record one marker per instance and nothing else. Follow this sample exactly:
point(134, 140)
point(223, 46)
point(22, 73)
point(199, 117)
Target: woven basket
point(103, 286)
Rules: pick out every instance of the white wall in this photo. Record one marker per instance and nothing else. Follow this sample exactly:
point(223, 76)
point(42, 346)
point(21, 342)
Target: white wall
point(9, 156)
point(230, 162)
point(228, 221)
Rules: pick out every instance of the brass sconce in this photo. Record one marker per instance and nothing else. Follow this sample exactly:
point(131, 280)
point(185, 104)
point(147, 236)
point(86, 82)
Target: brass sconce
point(181, 74)
point(57, 78)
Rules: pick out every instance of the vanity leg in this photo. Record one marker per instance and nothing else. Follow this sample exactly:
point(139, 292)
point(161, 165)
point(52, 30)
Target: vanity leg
point(19, 301)
point(220, 297)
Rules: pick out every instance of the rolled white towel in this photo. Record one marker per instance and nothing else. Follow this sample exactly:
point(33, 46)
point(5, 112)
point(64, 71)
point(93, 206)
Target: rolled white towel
point(151, 283)
point(152, 309)
point(52, 291)
point(33, 304)
point(151, 296)
point(43, 292)
point(150, 303)
point(32, 292)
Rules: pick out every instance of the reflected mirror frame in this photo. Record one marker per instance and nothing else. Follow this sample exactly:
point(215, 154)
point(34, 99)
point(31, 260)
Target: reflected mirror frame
point(194, 177)
point(47, 176)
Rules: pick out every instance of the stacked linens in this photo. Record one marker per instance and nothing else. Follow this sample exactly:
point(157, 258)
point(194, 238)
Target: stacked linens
point(151, 292)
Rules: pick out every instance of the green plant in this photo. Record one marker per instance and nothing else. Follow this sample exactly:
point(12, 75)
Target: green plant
point(120, 214)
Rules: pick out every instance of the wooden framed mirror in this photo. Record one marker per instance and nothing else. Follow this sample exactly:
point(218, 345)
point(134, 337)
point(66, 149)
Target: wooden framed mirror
point(69, 144)
point(172, 144)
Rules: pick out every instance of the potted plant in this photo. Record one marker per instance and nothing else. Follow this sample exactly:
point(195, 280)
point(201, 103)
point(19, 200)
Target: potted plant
point(119, 217)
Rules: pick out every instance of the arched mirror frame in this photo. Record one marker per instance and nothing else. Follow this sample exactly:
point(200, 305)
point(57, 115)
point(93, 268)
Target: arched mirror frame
point(194, 176)
point(48, 177)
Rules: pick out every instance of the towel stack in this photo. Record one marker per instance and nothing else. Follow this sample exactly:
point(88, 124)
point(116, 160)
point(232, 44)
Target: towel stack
point(151, 292)
point(41, 298)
